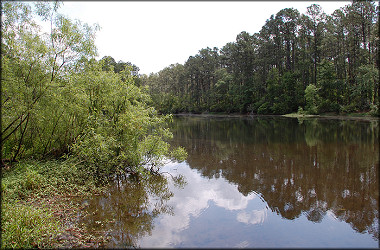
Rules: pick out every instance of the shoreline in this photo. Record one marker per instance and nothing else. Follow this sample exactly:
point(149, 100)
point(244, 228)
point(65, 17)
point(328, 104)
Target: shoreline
point(336, 117)
point(292, 115)
point(42, 196)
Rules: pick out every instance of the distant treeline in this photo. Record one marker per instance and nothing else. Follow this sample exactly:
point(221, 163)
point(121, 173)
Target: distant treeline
point(313, 63)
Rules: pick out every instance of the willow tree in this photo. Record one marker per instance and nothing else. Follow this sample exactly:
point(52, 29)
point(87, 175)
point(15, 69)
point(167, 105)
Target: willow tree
point(36, 65)
point(57, 99)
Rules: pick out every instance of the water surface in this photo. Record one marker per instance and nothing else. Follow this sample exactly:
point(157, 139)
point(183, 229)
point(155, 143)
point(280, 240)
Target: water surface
point(253, 182)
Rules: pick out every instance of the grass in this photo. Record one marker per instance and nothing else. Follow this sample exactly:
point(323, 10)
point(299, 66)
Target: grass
point(24, 226)
point(38, 209)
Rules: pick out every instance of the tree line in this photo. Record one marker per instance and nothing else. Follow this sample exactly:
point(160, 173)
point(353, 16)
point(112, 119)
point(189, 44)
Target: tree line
point(312, 63)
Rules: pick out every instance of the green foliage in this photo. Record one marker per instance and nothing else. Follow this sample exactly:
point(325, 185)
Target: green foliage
point(264, 109)
point(374, 111)
point(59, 100)
point(327, 106)
point(37, 116)
point(27, 227)
point(45, 178)
point(27, 224)
point(271, 69)
point(351, 108)
point(312, 99)
point(368, 84)
point(25, 181)
point(179, 154)
point(300, 111)
point(109, 64)
point(122, 133)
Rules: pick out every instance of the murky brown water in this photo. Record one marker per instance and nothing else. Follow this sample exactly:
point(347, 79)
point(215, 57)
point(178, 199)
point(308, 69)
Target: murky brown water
point(253, 182)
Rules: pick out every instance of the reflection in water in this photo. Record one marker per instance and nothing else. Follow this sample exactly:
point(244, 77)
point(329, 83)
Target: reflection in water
point(192, 202)
point(298, 166)
point(254, 217)
point(253, 182)
point(128, 210)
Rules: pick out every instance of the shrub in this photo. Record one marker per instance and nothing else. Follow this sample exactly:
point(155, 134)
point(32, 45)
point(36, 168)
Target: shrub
point(352, 107)
point(374, 110)
point(312, 98)
point(264, 108)
point(300, 111)
point(328, 106)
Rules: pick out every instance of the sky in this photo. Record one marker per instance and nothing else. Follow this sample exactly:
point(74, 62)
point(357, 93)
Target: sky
point(154, 35)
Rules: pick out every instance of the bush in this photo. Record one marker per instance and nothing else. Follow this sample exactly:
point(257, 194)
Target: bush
point(328, 106)
point(351, 108)
point(312, 98)
point(301, 111)
point(264, 108)
point(279, 108)
point(374, 110)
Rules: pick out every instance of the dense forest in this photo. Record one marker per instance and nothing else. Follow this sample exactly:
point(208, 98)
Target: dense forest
point(309, 63)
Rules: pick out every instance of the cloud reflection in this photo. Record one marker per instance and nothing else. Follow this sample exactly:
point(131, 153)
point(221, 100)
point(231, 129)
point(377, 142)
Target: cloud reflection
point(192, 200)
point(253, 217)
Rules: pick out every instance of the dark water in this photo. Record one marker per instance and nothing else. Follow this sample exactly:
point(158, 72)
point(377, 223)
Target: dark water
point(253, 182)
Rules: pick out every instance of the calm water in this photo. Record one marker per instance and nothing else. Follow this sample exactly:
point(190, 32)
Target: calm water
point(253, 182)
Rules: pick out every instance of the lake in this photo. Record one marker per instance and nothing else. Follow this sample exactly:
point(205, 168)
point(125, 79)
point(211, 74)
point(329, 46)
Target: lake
point(252, 182)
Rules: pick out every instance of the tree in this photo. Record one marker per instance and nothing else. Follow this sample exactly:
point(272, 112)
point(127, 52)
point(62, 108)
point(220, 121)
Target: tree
point(36, 67)
point(312, 99)
point(315, 22)
point(328, 87)
point(109, 63)
point(366, 93)
point(288, 21)
point(301, 49)
point(221, 97)
point(58, 99)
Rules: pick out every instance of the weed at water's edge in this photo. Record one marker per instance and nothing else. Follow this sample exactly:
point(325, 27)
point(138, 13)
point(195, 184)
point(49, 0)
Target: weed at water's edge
point(32, 196)
point(26, 227)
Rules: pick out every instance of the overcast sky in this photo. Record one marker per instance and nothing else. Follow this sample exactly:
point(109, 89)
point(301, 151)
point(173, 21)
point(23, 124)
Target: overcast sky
point(153, 35)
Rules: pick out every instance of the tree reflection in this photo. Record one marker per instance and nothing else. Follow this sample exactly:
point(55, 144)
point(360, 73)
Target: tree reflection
point(308, 166)
point(128, 210)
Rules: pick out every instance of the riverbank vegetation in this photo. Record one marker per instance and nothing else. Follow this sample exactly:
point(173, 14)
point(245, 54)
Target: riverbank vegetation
point(69, 124)
point(39, 208)
point(310, 63)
